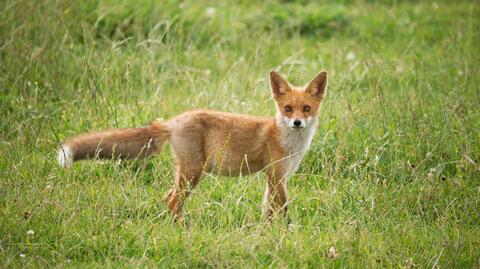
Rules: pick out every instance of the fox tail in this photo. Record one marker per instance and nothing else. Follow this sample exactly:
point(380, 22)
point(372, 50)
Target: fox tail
point(125, 143)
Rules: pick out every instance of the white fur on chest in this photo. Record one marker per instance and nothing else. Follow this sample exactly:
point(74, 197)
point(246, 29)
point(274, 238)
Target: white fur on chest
point(296, 143)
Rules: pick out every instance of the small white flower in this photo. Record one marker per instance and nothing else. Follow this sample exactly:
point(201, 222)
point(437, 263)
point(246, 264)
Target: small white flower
point(399, 69)
point(292, 227)
point(409, 262)
point(210, 12)
point(30, 232)
point(332, 253)
point(350, 56)
point(22, 255)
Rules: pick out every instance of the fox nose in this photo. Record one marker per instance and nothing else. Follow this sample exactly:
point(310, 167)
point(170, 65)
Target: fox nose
point(297, 123)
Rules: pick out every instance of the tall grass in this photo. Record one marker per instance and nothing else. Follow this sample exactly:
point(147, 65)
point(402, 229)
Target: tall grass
point(392, 178)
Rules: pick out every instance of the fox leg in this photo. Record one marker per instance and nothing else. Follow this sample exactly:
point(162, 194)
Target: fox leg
point(275, 198)
point(186, 179)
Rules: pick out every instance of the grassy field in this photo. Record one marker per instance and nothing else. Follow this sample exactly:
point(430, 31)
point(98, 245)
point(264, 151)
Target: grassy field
point(392, 178)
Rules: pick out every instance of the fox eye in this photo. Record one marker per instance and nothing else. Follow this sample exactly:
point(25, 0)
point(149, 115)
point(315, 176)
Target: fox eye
point(306, 108)
point(288, 109)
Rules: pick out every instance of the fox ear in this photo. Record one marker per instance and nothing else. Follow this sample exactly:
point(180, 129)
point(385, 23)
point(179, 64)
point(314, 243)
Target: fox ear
point(278, 84)
point(318, 85)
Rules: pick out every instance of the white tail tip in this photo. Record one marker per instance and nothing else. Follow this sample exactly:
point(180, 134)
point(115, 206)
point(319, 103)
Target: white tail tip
point(65, 156)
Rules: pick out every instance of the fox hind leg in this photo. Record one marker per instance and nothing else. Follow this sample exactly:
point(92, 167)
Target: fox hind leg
point(186, 179)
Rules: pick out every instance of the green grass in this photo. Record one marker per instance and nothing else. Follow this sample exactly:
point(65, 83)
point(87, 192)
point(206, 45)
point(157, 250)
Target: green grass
point(392, 178)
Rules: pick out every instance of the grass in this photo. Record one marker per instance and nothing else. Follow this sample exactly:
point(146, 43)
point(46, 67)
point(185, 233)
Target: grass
point(392, 178)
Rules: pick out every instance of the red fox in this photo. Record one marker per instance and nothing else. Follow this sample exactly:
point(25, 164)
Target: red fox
point(230, 144)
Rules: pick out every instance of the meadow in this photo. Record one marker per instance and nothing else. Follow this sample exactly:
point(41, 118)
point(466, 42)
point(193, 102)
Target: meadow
point(392, 179)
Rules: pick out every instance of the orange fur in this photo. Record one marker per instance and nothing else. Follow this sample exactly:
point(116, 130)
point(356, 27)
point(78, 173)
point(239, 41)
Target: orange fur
point(230, 144)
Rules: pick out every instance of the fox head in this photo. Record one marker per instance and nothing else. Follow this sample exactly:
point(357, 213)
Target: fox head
point(298, 106)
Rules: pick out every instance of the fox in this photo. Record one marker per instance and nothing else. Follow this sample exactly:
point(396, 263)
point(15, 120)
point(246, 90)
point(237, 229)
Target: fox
point(206, 141)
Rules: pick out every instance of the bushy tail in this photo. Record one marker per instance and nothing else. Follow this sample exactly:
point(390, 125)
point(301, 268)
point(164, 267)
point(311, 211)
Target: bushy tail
point(126, 143)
